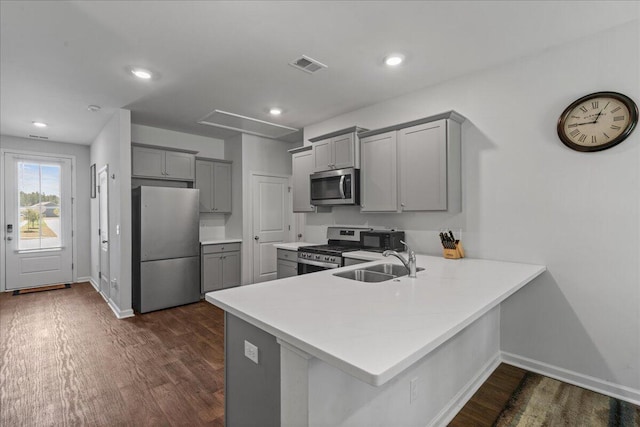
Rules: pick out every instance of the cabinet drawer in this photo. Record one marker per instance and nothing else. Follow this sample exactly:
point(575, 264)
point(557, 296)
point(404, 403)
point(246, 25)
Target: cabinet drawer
point(288, 255)
point(222, 247)
point(287, 269)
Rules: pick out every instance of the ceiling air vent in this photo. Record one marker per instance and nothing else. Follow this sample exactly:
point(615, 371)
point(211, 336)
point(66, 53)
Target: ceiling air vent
point(308, 65)
point(231, 121)
point(38, 137)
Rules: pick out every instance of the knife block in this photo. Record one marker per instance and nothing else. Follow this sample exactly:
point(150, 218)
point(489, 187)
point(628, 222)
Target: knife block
point(456, 253)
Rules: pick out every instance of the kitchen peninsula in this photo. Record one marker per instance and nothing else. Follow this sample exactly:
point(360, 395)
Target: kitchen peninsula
point(343, 352)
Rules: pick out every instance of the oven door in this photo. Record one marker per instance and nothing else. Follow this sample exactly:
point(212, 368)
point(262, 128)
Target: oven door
point(309, 266)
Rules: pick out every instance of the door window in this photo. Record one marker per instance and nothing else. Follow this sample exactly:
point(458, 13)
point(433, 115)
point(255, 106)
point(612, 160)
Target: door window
point(40, 212)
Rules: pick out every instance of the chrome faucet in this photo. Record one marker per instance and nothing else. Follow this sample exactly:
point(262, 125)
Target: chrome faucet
point(410, 264)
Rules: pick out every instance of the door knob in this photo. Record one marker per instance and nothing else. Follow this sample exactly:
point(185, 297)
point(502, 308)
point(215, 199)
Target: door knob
point(9, 238)
point(105, 241)
point(256, 238)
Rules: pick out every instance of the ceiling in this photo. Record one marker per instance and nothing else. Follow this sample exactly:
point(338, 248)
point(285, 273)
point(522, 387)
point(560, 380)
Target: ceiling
point(57, 58)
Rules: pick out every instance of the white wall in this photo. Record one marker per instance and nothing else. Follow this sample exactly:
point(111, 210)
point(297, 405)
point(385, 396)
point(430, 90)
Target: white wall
point(258, 155)
point(205, 146)
point(81, 153)
point(212, 225)
point(112, 147)
point(528, 198)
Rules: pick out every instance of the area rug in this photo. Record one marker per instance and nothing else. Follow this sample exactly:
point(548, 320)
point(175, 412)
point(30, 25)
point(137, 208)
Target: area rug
point(41, 289)
point(544, 402)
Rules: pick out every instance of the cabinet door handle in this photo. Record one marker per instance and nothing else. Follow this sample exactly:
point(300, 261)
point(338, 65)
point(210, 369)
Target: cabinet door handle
point(256, 238)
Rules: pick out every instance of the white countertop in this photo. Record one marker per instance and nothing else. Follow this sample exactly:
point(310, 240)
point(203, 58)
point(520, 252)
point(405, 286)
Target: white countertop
point(368, 256)
point(218, 241)
point(293, 246)
point(374, 331)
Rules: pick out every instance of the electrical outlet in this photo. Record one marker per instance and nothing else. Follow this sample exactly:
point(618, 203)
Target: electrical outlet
point(413, 394)
point(251, 351)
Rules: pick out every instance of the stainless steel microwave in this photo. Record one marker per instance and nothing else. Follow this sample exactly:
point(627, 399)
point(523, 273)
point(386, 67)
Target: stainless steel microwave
point(336, 187)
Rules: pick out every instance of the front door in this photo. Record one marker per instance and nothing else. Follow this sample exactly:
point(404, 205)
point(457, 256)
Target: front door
point(271, 223)
point(103, 212)
point(38, 220)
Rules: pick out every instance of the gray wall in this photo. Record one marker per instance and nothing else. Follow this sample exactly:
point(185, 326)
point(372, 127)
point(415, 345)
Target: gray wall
point(112, 147)
point(528, 198)
point(258, 155)
point(81, 153)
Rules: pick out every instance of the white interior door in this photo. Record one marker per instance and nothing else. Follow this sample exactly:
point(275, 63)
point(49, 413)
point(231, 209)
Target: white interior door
point(271, 223)
point(38, 220)
point(103, 212)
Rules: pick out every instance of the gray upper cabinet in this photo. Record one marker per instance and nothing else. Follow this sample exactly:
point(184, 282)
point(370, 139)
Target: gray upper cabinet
point(162, 163)
point(337, 150)
point(422, 167)
point(413, 166)
point(213, 179)
point(378, 176)
point(302, 166)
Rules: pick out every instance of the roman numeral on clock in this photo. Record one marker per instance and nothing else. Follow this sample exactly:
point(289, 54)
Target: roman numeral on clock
point(618, 118)
point(574, 132)
point(582, 138)
point(615, 109)
point(614, 127)
point(584, 109)
point(608, 137)
point(594, 104)
point(593, 139)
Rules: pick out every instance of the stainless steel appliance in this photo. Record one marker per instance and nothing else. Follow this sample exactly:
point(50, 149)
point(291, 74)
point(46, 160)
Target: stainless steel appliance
point(336, 187)
point(323, 257)
point(166, 247)
point(382, 240)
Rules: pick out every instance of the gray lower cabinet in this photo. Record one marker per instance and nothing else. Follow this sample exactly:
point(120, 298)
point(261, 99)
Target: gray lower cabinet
point(221, 266)
point(287, 263)
point(252, 390)
point(213, 179)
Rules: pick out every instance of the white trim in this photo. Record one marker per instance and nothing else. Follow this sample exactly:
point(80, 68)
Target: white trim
point(120, 314)
point(454, 406)
point(93, 283)
point(83, 279)
point(618, 391)
point(74, 213)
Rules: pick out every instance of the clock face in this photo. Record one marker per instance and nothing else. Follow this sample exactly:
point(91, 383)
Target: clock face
point(597, 121)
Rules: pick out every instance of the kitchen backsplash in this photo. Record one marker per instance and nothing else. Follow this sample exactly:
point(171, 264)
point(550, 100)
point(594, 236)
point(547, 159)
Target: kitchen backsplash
point(212, 226)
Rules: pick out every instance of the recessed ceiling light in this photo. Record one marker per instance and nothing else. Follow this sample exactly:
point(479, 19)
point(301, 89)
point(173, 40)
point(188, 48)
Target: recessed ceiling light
point(394, 59)
point(141, 73)
point(39, 124)
point(275, 111)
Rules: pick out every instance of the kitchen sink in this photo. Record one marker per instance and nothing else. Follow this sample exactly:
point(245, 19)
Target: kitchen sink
point(376, 273)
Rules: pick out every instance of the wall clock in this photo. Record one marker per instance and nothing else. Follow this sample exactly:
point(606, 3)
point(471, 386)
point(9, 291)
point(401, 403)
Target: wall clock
point(597, 121)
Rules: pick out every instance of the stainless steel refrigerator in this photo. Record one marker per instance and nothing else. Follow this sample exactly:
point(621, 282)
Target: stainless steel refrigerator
point(166, 247)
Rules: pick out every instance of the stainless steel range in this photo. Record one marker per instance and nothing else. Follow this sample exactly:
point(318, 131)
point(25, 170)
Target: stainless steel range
point(323, 257)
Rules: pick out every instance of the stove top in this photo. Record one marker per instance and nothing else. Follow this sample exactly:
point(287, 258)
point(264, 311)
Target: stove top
point(330, 249)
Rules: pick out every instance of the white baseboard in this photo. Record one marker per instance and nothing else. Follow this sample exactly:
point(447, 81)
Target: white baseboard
point(447, 413)
point(618, 391)
point(120, 314)
point(93, 283)
point(83, 279)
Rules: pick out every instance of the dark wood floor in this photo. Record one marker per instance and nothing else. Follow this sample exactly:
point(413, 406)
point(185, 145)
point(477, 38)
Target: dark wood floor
point(66, 360)
point(486, 404)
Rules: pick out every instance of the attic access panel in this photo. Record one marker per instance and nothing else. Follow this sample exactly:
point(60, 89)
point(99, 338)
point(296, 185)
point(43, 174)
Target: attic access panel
point(226, 120)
